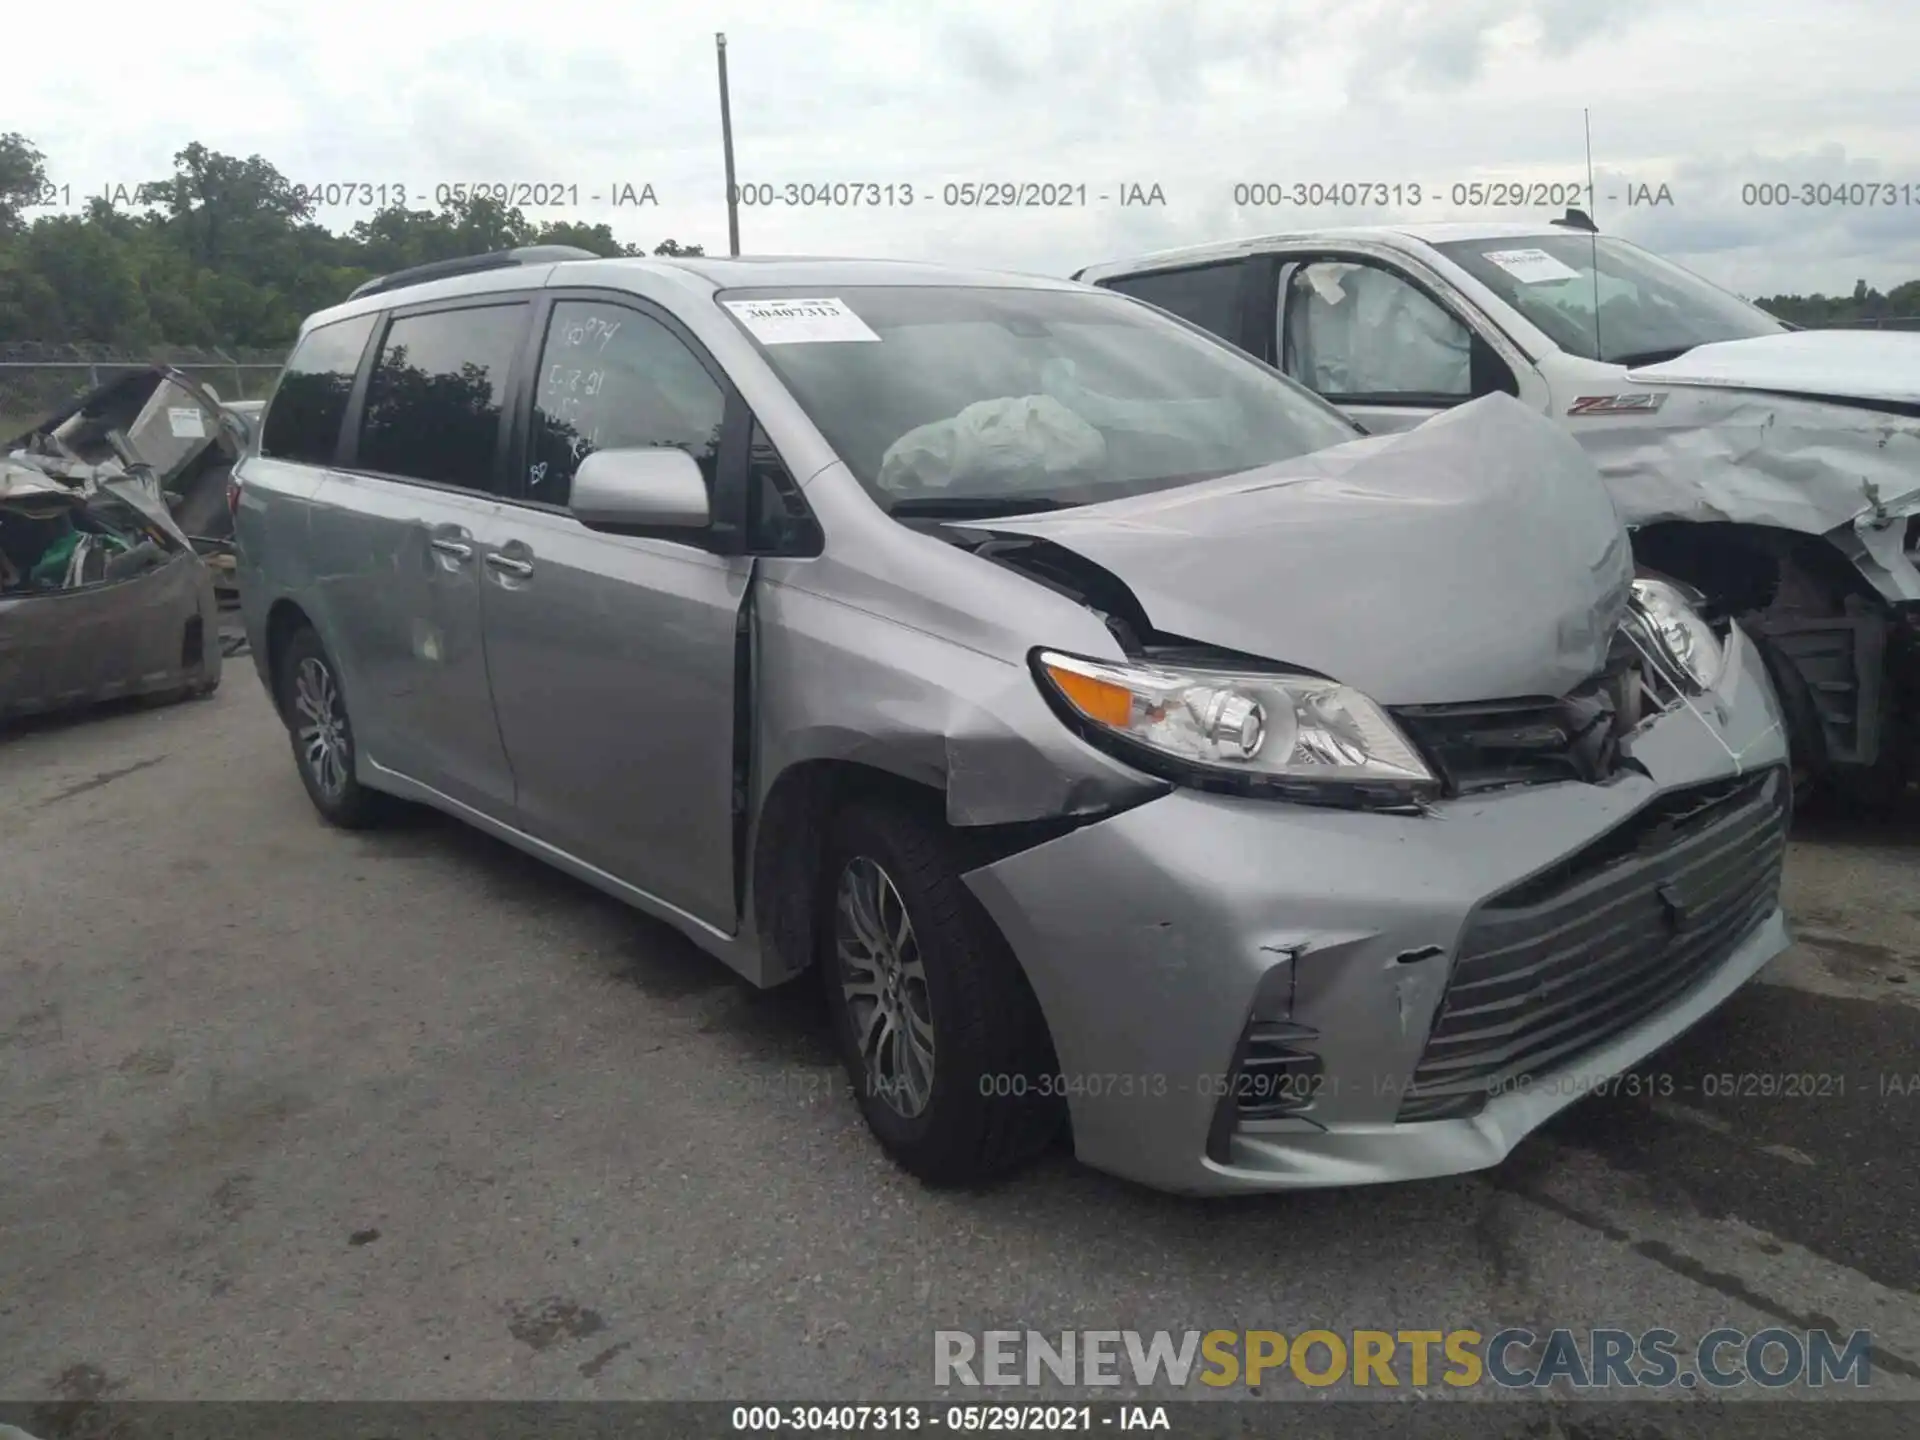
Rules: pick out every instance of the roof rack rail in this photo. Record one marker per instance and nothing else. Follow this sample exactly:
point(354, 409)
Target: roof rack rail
point(468, 264)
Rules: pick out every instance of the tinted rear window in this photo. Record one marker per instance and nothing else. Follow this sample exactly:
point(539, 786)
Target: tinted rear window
point(433, 405)
point(1205, 295)
point(303, 422)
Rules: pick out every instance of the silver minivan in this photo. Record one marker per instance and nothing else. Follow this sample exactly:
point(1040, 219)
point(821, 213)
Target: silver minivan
point(1135, 750)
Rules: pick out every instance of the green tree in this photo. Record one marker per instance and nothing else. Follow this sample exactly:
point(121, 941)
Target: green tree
point(597, 238)
point(225, 251)
point(29, 305)
point(228, 212)
point(396, 238)
point(91, 275)
point(23, 176)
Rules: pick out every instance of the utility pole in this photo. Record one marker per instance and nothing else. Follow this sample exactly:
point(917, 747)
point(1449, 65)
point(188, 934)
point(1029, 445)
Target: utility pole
point(726, 140)
point(1593, 238)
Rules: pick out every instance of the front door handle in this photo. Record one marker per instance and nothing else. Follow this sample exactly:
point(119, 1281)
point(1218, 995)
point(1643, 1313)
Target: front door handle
point(458, 549)
point(510, 566)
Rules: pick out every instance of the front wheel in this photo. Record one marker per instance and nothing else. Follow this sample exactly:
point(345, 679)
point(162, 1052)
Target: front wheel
point(1806, 742)
point(940, 1033)
point(1876, 790)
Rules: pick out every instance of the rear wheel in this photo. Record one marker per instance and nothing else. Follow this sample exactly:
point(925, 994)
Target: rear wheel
point(940, 1033)
point(322, 734)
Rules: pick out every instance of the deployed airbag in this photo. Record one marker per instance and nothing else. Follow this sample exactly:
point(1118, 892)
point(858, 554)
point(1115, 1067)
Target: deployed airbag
point(1357, 330)
point(1012, 443)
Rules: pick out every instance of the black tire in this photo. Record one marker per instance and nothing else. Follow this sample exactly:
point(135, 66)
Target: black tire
point(992, 1104)
point(1874, 791)
point(1806, 741)
point(336, 793)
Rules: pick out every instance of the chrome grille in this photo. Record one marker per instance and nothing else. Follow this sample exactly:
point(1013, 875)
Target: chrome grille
point(1566, 961)
point(1494, 744)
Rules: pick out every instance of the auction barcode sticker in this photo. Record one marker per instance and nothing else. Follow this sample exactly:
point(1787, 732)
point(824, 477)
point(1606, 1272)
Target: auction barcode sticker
point(186, 422)
point(1532, 267)
point(799, 322)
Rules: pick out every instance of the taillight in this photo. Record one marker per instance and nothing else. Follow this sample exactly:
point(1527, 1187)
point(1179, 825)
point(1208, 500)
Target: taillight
point(233, 495)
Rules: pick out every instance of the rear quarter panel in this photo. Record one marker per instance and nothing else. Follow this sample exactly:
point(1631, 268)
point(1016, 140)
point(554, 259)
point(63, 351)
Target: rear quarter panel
point(273, 560)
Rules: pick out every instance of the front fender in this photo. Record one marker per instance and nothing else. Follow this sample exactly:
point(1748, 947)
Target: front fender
point(1876, 542)
point(834, 681)
point(1849, 474)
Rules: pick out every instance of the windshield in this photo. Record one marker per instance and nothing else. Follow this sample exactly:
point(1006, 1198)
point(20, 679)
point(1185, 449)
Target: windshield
point(1649, 309)
point(957, 400)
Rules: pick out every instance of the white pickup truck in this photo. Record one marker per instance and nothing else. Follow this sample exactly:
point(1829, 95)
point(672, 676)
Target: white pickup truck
point(1775, 470)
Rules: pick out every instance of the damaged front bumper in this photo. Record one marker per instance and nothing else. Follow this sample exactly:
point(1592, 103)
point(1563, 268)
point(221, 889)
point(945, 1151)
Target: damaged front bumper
point(1249, 995)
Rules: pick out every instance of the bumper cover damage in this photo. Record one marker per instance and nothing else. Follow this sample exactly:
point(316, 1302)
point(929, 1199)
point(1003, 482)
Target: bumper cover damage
point(1158, 938)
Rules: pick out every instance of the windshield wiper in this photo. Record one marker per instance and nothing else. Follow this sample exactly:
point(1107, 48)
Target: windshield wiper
point(972, 507)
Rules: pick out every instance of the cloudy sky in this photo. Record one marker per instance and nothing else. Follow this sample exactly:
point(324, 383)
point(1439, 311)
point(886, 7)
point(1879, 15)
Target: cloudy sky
point(1191, 96)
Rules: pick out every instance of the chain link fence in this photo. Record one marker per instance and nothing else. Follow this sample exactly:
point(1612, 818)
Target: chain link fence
point(39, 379)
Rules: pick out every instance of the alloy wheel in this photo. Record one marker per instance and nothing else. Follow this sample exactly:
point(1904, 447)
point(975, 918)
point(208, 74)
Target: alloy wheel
point(326, 744)
point(883, 984)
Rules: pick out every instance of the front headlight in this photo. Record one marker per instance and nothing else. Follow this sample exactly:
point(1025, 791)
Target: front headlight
point(1683, 637)
point(1291, 736)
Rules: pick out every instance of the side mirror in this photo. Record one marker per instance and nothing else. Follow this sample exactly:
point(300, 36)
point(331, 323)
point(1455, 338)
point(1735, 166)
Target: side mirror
point(652, 489)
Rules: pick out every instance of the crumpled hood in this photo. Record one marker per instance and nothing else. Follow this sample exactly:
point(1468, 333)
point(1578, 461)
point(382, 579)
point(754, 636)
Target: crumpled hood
point(22, 471)
point(1844, 364)
point(1477, 557)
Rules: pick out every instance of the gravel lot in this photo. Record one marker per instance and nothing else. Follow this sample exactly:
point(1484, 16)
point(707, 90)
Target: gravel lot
point(292, 1113)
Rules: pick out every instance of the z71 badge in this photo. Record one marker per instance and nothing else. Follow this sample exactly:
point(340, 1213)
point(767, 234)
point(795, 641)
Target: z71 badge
point(1644, 400)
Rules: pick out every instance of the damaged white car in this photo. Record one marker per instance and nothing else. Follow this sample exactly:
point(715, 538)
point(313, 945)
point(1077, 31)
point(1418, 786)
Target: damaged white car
point(102, 593)
point(1775, 471)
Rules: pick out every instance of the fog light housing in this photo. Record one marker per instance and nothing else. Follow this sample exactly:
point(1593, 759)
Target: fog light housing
point(1276, 1074)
